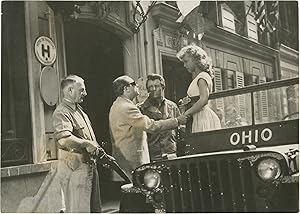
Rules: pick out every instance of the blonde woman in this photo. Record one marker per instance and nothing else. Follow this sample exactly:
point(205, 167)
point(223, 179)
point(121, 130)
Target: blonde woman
point(197, 62)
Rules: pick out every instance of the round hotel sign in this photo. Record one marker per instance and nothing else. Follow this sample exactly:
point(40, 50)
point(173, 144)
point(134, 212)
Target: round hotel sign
point(45, 50)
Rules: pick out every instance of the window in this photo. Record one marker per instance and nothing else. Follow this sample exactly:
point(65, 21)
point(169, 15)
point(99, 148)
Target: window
point(233, 111)
point(292, 93)
point(254, 79)
point(238, 9)
point(233, 16)
point(228, 81)
point(251, 79)
point(236, 110)
point(15, 110)
point(288, 31)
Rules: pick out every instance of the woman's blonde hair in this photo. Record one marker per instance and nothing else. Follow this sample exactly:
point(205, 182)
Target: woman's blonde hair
point(201, 58)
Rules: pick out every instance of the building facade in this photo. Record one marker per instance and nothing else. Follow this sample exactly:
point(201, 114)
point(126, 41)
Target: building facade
point(42, 42)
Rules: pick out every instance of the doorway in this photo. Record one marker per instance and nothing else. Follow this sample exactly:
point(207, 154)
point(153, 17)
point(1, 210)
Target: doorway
point(177, 78)
point(97, 56)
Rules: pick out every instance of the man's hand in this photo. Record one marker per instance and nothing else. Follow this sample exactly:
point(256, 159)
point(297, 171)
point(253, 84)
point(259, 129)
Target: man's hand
point(92, 147)
point(182, 119)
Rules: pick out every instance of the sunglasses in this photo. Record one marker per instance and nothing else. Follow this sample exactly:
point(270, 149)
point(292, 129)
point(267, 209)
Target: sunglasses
point(133, 83)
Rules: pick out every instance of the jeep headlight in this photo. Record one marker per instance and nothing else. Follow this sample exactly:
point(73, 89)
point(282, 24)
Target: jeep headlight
point(151, 179)
point(268, 169)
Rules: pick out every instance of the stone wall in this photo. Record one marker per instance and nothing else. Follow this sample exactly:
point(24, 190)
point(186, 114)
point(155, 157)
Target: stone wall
point(22, 182)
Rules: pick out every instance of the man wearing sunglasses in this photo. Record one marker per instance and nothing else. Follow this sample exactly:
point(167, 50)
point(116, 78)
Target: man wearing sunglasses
point(128, 127)
point(156, 106)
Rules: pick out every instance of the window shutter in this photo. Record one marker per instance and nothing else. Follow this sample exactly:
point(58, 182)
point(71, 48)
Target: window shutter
point(239, 79)
point(263, 101)
point(227, 18)
point(218, 80)
point(219, 87)
point(251, 23)
point(241, 98)
point(251, 28)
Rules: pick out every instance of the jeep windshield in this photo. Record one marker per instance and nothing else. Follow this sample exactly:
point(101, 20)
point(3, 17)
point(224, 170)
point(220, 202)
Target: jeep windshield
point(258, 115)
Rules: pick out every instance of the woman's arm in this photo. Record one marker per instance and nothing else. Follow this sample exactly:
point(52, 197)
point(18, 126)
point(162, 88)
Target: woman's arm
point(202, 84)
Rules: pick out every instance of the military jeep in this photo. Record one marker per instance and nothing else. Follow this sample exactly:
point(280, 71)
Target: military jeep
point(250, 165)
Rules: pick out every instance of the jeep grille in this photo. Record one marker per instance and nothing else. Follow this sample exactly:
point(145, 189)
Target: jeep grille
point(218, 184)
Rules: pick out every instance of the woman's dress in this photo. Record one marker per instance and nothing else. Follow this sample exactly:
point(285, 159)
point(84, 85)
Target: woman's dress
point(206, 119)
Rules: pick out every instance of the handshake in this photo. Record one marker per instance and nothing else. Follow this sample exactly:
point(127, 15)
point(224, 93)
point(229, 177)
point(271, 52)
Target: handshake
point(182, 119)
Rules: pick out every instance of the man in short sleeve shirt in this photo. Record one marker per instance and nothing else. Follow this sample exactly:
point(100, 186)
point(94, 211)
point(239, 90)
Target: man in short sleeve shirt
point(157, 107)
point(76, 141)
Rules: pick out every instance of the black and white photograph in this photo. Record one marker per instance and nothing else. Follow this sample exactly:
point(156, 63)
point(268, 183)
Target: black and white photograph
point(184, 106)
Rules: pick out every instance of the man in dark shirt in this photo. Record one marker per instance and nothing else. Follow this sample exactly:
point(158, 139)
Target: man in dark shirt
point(156, 106)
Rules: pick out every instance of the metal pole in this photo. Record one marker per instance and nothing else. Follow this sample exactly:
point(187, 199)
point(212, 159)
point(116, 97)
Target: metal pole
point(217, 13)
point(277, 75)
point(252, 108)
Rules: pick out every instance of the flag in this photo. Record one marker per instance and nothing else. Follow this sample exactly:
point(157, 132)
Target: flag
point(185, 7)
point(259, 9)
point(192, 18)
point(273, 15)
point(266, 20)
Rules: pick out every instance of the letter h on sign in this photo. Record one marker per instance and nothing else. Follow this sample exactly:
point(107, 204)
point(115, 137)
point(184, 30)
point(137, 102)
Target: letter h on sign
point(47, 51)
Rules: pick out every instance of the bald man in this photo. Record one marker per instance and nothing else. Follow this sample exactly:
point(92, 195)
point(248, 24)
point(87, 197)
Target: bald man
point(129, 126)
